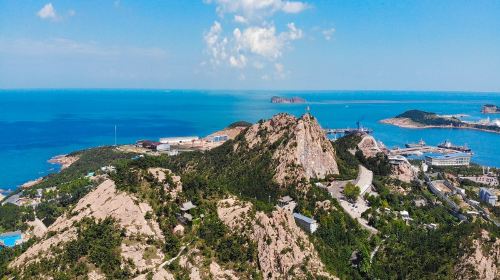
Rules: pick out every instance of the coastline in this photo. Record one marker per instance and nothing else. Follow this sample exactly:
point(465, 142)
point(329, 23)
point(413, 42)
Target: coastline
point(407, 123)
point(64, 160)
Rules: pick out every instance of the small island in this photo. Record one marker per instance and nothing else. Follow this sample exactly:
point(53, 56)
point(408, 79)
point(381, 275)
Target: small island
point(286, 100)
point(490, 109)
point(422, 119)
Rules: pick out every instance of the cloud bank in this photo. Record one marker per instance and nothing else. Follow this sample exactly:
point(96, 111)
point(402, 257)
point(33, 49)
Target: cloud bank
point(252, 39)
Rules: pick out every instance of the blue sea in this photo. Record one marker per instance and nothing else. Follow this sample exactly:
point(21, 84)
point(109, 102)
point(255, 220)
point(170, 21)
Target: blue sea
point(36, 125)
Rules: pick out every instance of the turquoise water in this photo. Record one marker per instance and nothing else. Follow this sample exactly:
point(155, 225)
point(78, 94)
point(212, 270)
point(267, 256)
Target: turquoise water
point(38, 124)
point(9, 240)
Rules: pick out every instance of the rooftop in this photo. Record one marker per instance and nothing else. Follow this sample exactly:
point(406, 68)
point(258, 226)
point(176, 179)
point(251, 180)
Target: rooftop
point(304, 218)
point(447, 156)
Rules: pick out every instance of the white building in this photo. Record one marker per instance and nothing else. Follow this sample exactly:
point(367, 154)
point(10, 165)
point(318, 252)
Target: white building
point(455, 159)
point(179, 140)
point(306, 223)
point(163, 147)
point(488, 196)
point(218, 138)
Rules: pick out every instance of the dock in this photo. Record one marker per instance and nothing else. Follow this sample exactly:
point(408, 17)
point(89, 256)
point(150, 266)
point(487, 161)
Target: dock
point(346, 131)
point(420, 151)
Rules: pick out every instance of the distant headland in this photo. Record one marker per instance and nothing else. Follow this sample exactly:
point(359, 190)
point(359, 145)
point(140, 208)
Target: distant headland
point(286, 100)
point(490, 109)
point(422, 119)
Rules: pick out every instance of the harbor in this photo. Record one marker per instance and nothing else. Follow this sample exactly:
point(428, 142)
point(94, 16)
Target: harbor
point(421, 148)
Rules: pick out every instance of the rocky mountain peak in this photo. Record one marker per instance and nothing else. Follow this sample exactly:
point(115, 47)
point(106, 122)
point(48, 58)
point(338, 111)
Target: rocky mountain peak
point(301, 148)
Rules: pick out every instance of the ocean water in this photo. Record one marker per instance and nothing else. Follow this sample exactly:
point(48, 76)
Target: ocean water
point(36, 125)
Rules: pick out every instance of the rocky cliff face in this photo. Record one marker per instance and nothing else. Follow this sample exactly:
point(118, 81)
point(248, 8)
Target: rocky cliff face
point(369, 146)
point(284, 250)
point(403, 172)
point(302, 149)
point(481, 262)
point(104, 201)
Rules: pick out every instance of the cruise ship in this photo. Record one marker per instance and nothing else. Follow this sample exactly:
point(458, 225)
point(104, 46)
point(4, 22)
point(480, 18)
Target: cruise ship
point(448, 145)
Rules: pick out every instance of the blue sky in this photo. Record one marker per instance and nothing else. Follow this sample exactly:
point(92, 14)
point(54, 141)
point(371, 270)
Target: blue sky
point(251, 44)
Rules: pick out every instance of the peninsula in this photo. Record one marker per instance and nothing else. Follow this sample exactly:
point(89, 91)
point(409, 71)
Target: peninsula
point(422, 119)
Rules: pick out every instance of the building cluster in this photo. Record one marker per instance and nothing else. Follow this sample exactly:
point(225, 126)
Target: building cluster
point(171, 145)
point(488, 196)
point(483, 179)
point(156, 146)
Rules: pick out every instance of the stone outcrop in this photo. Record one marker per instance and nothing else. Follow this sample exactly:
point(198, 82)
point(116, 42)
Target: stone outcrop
point(301, 147)
point(104, 201)
point(403, 172)
point(482, 260)
point(283, 248)
point(369, 146)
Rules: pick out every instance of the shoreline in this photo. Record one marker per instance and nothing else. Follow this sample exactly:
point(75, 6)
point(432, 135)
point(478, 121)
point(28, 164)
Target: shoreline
point(64, 160)
point(407, 123)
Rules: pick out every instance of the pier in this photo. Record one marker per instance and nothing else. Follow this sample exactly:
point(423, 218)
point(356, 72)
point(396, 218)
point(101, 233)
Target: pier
point(420, 151)
point(346, 131)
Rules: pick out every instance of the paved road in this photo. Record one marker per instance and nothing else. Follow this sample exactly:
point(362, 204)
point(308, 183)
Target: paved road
point(364, 180)
point(355, 210)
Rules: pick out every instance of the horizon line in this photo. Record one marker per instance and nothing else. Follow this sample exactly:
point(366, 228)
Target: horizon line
point(252, 90)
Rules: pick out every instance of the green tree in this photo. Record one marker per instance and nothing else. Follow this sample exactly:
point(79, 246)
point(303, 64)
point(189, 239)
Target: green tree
point(351, 191)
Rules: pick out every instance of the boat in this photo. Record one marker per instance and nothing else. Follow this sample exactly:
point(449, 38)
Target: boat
point(420, 144)
point(448, 145)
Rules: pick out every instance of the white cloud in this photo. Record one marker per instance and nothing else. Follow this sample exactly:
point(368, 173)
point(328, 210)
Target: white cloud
point(293, 32)
point(216, 44)
point(259, 40)
point(238, 61)
point(328, 33)
point(255, 39)
point(48, 12)
point(257, 9)
point(294, 7)
point(240, 19)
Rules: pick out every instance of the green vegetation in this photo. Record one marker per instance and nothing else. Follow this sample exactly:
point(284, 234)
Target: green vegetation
point(246, 172)
point(379, 164)
point(338, 235)
point(96, 247)
point(14, 217)
point(432, 119)
point(239, 124)
point(346, 161)
point(406, 249)
point(428, 118)
point(351, 191)
point(89, 161)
